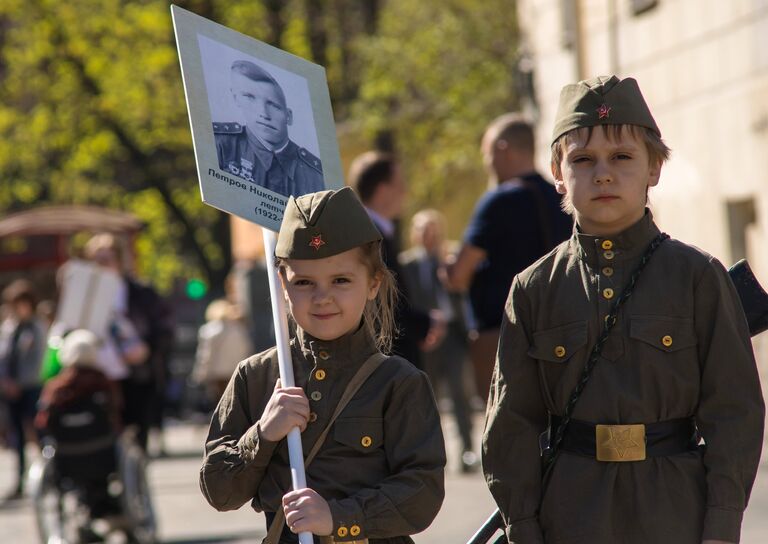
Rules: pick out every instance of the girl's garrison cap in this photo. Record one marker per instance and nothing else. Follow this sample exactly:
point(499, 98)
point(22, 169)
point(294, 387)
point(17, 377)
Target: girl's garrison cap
point(323, 224)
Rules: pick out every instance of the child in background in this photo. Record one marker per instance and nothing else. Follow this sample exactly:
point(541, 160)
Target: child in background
point(672, 364)
point(378, 476)
point(20, 370)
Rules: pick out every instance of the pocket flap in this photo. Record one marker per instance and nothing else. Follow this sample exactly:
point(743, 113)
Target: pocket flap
point(559, 344)
point(362, 434)
point(665, 333)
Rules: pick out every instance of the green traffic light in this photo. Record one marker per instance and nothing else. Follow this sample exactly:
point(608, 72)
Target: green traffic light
point(196, 289)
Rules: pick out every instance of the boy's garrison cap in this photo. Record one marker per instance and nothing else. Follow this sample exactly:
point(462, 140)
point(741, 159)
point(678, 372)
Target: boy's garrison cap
point(323, 224)
point(602, 100)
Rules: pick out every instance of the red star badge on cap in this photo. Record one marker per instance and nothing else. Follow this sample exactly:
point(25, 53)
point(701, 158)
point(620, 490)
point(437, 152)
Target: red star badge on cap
point(603, 111)
point(317, 241)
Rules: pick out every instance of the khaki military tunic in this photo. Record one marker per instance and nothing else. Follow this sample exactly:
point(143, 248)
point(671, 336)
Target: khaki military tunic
point(680, 348)
point(381, 468)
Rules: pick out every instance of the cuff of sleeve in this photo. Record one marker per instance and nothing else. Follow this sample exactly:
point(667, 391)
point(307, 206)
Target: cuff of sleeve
point(348, 521)
point(256, 449)
point(722, 524)
point(526, 531)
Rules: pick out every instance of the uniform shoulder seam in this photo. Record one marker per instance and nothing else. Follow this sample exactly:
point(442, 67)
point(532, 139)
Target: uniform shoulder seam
point(311, 161)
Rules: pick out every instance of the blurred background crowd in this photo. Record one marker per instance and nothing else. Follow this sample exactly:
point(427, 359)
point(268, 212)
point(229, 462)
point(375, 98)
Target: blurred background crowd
point(96, 166)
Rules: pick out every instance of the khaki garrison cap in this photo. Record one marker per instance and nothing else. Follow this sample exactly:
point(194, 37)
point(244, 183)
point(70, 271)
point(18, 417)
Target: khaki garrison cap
point(602, 100)
point(323, 224)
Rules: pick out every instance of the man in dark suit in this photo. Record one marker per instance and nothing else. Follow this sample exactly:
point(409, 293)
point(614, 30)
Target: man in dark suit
point(377, 180)
point(260, 150)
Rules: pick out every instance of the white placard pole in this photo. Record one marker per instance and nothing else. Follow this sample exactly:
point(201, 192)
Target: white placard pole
point(280, 318)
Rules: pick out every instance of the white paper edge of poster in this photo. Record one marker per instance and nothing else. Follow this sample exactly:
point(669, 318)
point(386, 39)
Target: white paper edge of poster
point(88, 298)
point(222, 189)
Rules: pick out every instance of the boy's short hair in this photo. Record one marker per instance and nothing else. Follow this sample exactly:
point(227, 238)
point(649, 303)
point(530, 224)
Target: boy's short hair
point(370, 170)
point(658, 152)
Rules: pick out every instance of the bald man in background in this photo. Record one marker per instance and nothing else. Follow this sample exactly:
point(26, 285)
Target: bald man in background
point(515, 222)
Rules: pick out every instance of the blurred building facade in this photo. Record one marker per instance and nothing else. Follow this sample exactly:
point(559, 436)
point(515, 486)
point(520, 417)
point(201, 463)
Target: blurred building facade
point(703, 68)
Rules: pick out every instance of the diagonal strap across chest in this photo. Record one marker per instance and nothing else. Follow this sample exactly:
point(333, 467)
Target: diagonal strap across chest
point(360, 377)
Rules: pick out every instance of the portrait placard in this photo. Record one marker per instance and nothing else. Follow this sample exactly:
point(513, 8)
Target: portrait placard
point(89, 295)
point(261, 119)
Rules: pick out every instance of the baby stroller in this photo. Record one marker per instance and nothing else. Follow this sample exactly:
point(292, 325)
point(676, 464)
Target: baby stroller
point(90, 482)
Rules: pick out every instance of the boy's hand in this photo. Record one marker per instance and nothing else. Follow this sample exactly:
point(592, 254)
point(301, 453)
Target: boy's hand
point(287, 408)
point(306, 511)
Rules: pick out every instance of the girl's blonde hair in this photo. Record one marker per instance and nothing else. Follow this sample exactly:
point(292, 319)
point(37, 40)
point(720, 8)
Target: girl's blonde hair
point(379, 313)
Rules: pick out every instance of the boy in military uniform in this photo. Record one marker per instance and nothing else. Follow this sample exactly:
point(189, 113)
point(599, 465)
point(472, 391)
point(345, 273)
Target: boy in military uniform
point(631, 348)
point(260, 150)
point(378, 472)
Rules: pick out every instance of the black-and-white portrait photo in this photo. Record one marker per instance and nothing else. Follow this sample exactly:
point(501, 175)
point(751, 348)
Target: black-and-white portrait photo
point(262, 121)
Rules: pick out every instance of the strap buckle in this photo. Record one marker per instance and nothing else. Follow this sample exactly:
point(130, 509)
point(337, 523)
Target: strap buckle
point(620, 443)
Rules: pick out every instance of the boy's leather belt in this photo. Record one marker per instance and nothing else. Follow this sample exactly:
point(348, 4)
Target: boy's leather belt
point(621, 443)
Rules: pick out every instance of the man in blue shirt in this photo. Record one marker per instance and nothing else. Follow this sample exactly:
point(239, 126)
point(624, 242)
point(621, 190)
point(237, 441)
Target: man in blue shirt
point(514, 223)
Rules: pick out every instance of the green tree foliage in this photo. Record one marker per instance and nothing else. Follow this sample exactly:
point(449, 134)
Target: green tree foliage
point(92, 108)
point(435, 74)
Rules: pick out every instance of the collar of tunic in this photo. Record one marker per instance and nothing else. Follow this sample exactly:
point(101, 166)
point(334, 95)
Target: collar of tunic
point(286, 156)
point(625, 246)
point(350, 350)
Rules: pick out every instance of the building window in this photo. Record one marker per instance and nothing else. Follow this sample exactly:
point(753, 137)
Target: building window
point(641, 6)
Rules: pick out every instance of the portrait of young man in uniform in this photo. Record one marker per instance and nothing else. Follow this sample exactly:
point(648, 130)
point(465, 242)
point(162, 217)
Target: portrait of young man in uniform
point(259, 149)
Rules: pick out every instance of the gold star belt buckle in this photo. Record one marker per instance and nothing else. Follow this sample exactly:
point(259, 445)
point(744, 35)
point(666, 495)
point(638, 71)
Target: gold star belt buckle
point(620, 443)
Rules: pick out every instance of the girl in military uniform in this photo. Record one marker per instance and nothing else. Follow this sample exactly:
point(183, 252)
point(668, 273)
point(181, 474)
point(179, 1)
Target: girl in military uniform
point(622, 353)
point(378, 475)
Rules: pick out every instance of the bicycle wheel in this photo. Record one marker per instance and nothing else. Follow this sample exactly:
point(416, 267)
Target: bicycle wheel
point(136, 498)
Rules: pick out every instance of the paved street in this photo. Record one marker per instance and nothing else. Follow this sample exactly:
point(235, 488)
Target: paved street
point(185, 518)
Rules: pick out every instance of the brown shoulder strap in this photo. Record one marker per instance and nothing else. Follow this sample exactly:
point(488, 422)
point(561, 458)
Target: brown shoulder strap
point(362, 374)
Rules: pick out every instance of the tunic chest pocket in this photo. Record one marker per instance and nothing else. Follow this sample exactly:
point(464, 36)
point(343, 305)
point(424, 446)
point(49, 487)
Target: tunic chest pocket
point(667, 334)
point(559, 344)
point(361, 434)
